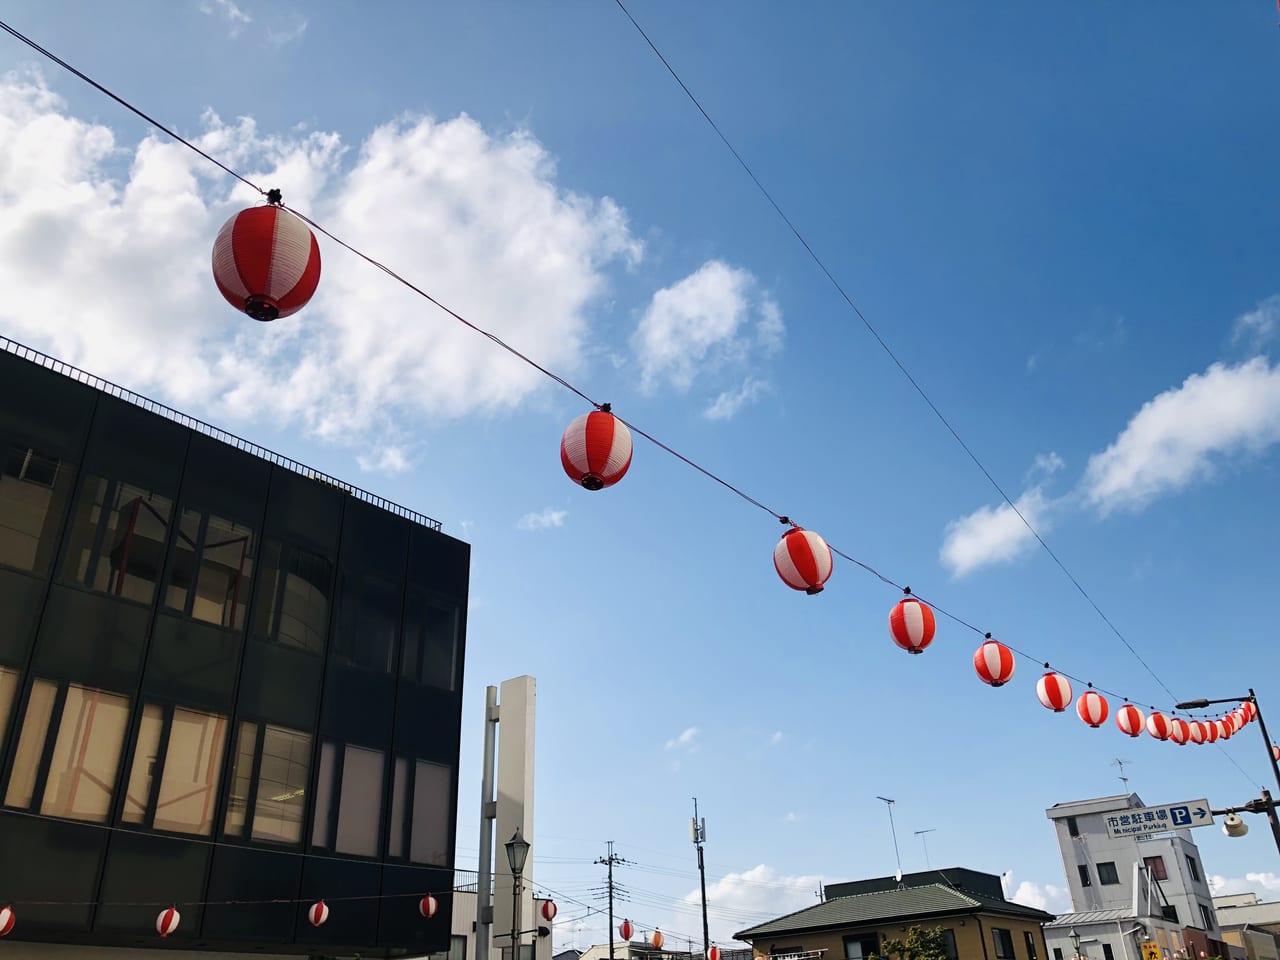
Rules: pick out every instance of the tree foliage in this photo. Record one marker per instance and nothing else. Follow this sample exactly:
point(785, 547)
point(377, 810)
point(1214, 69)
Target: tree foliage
point(919, 944)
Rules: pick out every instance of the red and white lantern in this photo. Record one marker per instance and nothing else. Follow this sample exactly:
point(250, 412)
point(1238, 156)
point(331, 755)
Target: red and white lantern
point(266, 262)
point(625, 930)
point(7, 920)
point(548, 910)
point(1179, 730)
point(428, 906)
point(1129, 719)
point(1250, 711)
point(1158, 725)
point(1054, 691)
point(912, 626)
point(803, 560)
point(1196, 732)
point(168, 921)
point(994, 663)
point(657, 940)
point(1210, 731)
point(595, 450)
point(1092, 708)
point(1275, 752)
point(318, 913)
point(713, 953)
point(1224, 729)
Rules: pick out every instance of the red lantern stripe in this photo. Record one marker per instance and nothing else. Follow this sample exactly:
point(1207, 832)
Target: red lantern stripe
point(168, 921)
point(994, 663)
point(428, 906)
point(318, 913)
point(549, 910)
point(912, 625)
point(1130, 720)
point(267, 251)
point(7, 921)
point(1054, 691)
point(1196, 732)
point(596, 450)
point(1092, 708)
point(803, 560)
point(1158, 725)
point(1179, 731)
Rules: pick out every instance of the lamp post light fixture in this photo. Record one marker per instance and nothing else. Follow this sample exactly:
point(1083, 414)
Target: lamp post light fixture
point(517, 854)
point(1075, 942)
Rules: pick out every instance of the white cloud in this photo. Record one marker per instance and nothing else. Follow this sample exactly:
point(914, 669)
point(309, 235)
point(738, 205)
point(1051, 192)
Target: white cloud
point(703, 324)
point(791, 817)
point(1261, 883)
point(684, 740)
point(1046, 465)
point(543, 520)
point(104, 259)
point(389, 459)
point(993, 534)
point(1258, 325)
point(1179, 436)
point(776, 738)
point(727, 405)
point(1047, 896)
point(236, 18)
point(740, 900)
point(287, 30)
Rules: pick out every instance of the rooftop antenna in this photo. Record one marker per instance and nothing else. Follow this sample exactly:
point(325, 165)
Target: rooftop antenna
point(1117, 762)
point(893, 830)
point(924, 841)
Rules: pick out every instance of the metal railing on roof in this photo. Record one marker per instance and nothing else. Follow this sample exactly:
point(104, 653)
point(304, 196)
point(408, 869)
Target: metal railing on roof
point(55, 365)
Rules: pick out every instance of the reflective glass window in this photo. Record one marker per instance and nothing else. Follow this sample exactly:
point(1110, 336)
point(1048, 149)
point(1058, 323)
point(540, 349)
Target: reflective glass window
point(212, 564)
point(8, 694)
point(35, 728)
point(360, 802)
point(86, 754)
point(117, 539)
point(33, 495)
point(431, 629)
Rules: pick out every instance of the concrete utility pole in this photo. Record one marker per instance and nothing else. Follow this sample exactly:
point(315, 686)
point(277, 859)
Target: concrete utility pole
point(609, 861)
point(698, 831)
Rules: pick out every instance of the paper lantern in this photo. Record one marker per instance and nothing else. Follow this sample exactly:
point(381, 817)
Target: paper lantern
point(1250, 711)
point(1054, 691)
point(1179, 730)
point(1275, 752)
point(1129, 719)
point(318, 913)
point(548, 910)
point(428, 906)
point(911, 625)
point(657, 940)
point(713, 953)
point(625, 930)
point(1196, 732)
point(803, 560)
point(266, 262)
point(1211, 733)
point(168, 921)
point(1092, 708)
point(1224, 730)
point(1158, 725)
point(994, 663)
point(7, 920)
point(595, 450)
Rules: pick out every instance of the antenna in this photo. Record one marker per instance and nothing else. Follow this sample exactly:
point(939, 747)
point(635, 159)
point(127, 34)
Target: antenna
point(893, 830)
point(924, 841)
point(1117, 762)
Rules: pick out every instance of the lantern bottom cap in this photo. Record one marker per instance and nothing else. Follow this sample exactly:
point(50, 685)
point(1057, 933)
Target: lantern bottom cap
point(811, 591)
point(261, 308)
point(591, 481)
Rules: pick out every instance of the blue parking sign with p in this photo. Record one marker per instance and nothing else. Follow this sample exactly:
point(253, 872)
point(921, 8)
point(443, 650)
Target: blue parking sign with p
point(1181, 816)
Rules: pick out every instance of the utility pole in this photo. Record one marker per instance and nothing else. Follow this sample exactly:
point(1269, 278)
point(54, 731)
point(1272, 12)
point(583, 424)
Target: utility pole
point(609, 861)
point(698, 833)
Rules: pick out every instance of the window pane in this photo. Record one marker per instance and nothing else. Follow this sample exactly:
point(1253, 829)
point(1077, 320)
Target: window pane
point(369, 624)
point(282, 785)
point(86, 755)
point(192, 768)
point(185, 550)
point(324, 795)
point(399, 796)
point(26, 761)
point(431, 788)
point(1155, 867)
point(1029, 939)
point(304, 613)
point(222, 582)
point(1107, 873)
point(117, 539)
point(241, 777)
point(33, 493)
point(431, 641)
point(360, 803)
point(138, 791)
point(8, 693)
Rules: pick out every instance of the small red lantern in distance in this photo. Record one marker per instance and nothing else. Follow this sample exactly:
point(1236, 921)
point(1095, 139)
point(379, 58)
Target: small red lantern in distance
point(1179, 730)
point(713, 953)
point(168, 921)
point(625, 930)
point(1275, 752)
point(318, 913)
point(428, 906)
point(1158, 725)
point(7, 920)
point(994, 663)
point(912, 626)
point(548, 910)
point(1129, 719)
point(1196, 732)
point(266, 262)
point(1250, 710)
point(1054, 691)
point(803, 560)
point(1210, 732)
point(1092, 708)
point(595, 450)
point(657, 940)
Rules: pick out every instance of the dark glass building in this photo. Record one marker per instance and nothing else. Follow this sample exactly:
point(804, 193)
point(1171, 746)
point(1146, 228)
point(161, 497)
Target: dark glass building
point(223, 678)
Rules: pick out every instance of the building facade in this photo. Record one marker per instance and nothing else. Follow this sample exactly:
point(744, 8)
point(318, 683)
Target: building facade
point(1250, 924)
point(1128, 891)
point(855, 920)
point(227, 684)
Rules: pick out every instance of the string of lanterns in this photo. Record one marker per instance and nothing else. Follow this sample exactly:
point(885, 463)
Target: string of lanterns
point(169, 919)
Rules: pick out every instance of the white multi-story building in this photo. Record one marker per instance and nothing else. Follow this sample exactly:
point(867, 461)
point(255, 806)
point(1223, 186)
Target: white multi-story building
point(1129, 891)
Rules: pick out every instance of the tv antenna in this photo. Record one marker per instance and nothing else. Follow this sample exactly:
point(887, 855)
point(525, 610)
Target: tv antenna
point(1117, 762)
point(924, 841)
point(894, 832)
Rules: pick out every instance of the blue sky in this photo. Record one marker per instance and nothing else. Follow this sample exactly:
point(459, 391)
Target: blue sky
point(1061, 217)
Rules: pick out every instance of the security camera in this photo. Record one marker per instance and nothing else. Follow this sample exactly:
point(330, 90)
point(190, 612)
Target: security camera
point(1233, 826)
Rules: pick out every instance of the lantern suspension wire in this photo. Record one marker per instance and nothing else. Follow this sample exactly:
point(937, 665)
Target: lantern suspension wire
point(17, 35)
point(818, 261)
point(274, 197)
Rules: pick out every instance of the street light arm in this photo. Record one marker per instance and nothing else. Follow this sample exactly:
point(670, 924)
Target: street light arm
point(1201, 704)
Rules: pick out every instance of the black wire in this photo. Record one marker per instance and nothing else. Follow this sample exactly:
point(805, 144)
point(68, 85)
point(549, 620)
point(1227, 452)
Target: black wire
point(569, 386)
point(885, 346)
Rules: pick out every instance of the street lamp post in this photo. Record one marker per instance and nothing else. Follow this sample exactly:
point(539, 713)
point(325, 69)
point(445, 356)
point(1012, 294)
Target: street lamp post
point(1074, 937)
point(517, 854)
